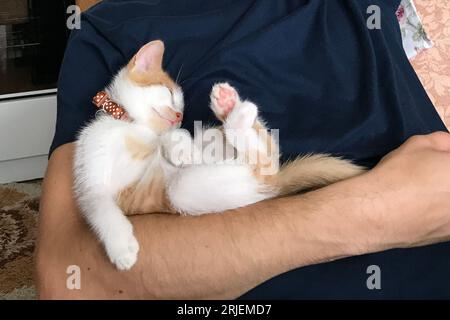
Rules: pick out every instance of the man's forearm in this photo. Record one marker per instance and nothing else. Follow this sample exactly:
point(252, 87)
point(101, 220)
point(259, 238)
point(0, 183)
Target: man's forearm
point(403, 202)
point(225, 255)
point(211, 256)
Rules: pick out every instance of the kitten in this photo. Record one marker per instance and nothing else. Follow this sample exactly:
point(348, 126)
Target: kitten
point(125, 167)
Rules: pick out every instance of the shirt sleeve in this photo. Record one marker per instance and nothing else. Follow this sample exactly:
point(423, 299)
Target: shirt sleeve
point(90, 61)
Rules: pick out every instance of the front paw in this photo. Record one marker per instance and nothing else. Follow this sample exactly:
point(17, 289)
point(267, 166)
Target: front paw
point(122, 251)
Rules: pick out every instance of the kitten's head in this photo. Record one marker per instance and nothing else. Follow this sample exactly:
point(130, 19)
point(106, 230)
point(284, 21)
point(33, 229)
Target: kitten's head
point(147, 92)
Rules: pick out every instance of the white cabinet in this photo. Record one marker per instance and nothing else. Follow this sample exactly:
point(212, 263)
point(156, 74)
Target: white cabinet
point(27, 126)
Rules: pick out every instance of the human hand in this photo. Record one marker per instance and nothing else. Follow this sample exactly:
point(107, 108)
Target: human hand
point(412, 188)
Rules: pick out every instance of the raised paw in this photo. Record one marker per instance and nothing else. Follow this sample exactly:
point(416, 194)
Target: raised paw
point(123, 251)
point(223, 99)
point(242, 117)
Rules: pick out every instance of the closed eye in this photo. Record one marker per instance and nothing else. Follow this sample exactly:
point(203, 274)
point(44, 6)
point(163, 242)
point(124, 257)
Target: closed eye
point(171, 95)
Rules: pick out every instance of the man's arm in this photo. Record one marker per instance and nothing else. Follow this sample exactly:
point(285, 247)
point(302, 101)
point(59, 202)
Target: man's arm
point(225, 255)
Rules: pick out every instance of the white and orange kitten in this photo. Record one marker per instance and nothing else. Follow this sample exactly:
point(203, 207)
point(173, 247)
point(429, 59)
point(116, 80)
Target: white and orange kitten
point(125, 167)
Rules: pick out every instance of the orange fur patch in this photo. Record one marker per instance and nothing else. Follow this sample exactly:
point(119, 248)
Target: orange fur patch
point(154, 74)
point(144, 197)
point(139, 150)
point(268, 159)
point(152, 77)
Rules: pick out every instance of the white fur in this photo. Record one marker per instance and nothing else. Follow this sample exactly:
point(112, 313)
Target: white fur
point(214, 188)
point(102, 168)
point(139, 100)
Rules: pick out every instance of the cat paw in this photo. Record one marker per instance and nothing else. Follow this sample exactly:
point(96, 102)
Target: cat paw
point(242, 117)
point(223, 99)
point(123, 252)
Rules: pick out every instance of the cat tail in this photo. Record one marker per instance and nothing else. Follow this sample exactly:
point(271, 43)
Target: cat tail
point(312, 172)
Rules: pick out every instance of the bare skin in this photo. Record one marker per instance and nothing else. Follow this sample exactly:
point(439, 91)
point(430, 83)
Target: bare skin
point(403, 202)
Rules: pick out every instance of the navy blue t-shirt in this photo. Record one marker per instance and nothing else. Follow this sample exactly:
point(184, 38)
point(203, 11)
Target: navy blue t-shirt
point(317, 72)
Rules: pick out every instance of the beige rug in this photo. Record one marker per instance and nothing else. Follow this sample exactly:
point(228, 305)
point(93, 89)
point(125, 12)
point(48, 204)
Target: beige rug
point(19, 206)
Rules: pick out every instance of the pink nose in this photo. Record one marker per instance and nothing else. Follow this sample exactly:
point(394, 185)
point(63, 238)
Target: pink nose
point(178, 116)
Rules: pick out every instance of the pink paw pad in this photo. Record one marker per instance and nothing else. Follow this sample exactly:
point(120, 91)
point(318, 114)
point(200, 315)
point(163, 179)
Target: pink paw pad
point(225, 98)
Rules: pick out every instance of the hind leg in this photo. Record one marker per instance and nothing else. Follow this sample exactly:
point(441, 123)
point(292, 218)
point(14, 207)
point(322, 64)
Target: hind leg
point(231, 110)
point(243, 130)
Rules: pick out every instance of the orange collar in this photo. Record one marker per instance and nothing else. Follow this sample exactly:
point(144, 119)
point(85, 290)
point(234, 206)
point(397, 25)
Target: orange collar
point(104, 102)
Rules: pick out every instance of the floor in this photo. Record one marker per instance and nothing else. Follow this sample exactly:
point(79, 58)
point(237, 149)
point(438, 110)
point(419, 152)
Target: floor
point(19, 206)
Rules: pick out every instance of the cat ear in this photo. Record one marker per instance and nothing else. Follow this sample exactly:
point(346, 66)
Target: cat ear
point(149, 57)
